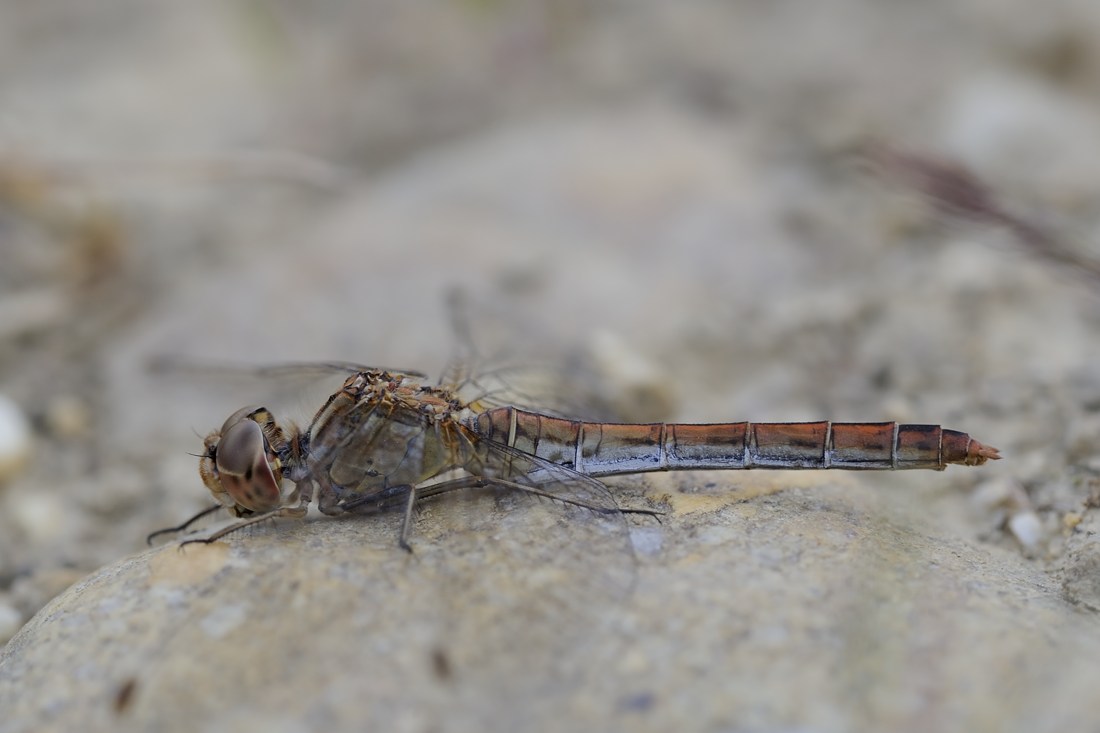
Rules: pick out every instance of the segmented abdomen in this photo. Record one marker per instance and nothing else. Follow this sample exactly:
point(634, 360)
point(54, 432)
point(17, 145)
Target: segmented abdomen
point(602, 449)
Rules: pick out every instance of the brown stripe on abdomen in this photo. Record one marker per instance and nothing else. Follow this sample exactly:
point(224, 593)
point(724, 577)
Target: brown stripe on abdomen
point(720, 445)
point(551, 438)
point(788, 445)
point(862, 445)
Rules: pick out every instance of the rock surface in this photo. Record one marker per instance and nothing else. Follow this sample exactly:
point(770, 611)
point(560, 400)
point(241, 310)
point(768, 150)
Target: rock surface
point(800, 609)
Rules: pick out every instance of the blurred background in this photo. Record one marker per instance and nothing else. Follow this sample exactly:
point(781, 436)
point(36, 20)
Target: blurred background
point(678, 192)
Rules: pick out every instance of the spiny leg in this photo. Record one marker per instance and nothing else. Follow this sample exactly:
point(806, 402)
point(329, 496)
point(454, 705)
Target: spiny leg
point(173, 530)
point(406, 523)
point(292, 512)
point(482, 482)
point(468, 482)
point(415, 494)
point(404, 494)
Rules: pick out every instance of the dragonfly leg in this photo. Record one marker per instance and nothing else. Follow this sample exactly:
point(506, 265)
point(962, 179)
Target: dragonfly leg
point(293, 512)
point(174, 530)
point(483, 482)
point(406, 523)
point(655, 513)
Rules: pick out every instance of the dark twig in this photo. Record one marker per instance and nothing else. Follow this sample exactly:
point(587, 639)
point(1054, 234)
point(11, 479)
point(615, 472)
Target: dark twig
point(957, 192)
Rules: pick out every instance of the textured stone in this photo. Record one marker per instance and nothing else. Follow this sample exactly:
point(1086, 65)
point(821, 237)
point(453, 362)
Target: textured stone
point(736, 606)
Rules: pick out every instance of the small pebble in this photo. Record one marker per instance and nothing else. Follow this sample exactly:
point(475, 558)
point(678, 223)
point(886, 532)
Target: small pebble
point(68, 416)
point(1027, 528)
point(40, 515)
point(15, 439)
point(10, 622)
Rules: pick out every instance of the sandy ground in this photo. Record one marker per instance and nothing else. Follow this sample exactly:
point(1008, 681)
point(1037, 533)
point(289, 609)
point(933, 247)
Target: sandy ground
point(674, 194)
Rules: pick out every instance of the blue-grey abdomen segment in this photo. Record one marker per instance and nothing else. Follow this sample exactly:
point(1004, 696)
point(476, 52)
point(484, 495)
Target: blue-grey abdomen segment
point(595, 449)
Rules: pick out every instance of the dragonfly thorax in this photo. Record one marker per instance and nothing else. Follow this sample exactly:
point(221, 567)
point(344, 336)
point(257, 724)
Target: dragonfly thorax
point(380, 433)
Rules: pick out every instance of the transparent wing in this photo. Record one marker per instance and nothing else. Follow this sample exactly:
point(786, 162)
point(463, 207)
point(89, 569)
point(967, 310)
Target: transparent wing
point(499, 358)
point(292, 391)
point(571, 390)
point(304, 369)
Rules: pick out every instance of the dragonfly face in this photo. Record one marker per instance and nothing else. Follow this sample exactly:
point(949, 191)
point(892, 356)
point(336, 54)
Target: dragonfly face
point(242, 462)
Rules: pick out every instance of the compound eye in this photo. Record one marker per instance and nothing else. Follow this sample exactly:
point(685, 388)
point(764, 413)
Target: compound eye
point(243, 468)
point(239, 416)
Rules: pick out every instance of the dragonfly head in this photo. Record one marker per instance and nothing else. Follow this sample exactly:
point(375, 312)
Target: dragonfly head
point(241, 463)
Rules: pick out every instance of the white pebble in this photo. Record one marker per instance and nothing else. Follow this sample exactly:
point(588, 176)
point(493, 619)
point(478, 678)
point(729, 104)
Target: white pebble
point(1026, 528)
point(40, 515)
point(10, 622)
point(15, 439)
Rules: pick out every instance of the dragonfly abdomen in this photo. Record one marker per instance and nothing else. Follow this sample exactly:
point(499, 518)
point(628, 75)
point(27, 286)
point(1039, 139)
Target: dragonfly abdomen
point(602, 449)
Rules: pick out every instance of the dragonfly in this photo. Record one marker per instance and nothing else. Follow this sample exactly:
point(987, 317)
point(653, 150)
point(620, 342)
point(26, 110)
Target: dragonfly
point(387, 438)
